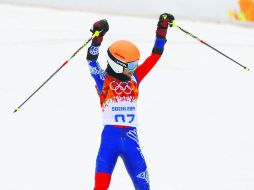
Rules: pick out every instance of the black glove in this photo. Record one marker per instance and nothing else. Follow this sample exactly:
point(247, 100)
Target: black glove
point(163, 24)
point(93, 50)
point(101, 25)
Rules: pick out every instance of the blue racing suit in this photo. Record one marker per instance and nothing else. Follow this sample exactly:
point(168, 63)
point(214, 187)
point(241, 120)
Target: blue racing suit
point(119, 138)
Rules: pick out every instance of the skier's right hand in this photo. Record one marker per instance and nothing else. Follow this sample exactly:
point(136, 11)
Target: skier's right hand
point(93, 51)
point(103, 27)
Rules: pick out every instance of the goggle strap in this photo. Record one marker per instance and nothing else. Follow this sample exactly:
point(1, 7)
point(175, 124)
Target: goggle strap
point(125, 65)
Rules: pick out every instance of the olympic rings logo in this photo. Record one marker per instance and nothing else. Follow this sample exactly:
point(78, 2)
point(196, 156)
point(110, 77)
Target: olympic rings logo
point(122, 87)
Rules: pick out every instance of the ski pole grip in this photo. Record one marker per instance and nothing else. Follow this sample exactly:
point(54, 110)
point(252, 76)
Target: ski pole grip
point(96, 34)
point(172, 23)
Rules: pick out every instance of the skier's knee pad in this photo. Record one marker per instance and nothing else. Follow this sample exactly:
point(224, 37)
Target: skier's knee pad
point(102, 181)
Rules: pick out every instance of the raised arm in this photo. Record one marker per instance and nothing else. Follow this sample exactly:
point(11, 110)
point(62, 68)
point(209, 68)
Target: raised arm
point(161, 32)
point(93, 52)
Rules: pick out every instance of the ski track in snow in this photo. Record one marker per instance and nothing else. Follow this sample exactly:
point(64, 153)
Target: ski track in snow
point(195, 108)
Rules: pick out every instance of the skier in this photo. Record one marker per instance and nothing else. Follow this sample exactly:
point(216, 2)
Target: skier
point(117, 87)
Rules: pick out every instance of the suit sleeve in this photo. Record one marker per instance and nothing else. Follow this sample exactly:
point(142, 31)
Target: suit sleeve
point(95, 70)
point(150, 62)
point(98, 74)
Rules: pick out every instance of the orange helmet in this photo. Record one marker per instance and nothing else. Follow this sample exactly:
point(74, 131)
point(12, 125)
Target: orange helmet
point(122, 55)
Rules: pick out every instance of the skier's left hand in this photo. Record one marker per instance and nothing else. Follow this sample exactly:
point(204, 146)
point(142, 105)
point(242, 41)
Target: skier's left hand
point(164, 21)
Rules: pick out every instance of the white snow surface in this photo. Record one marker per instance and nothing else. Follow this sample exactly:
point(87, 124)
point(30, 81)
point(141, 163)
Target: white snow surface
point(195, 107)
point(191, 9)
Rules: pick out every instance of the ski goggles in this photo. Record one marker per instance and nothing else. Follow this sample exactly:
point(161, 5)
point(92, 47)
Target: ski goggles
point(132, 66)
point(119, 65)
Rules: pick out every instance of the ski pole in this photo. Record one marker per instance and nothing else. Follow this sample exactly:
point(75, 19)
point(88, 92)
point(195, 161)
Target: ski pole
point(203, 42)
point(51, 76)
